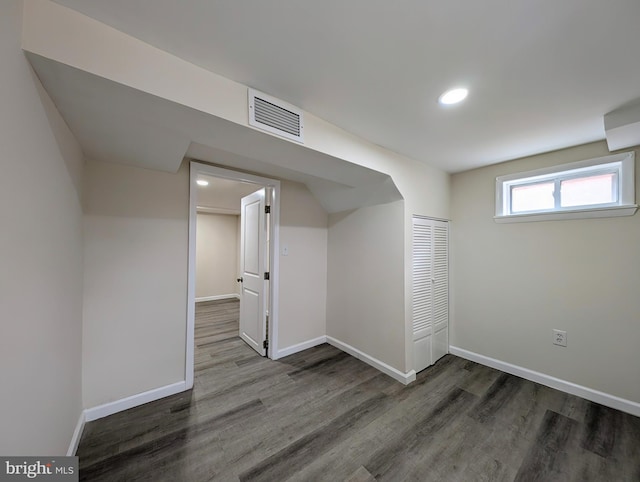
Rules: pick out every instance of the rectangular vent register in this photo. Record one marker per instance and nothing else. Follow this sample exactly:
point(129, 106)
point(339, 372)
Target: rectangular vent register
point(275, 116)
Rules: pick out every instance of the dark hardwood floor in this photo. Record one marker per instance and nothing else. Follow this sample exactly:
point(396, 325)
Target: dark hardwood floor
point(322, 415)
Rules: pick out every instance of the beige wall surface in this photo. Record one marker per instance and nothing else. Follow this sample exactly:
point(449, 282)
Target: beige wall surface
point(303, 272)
point(514, 283)
point(365, 281)
point(41, 245)
point(135, 297)
point(216, 254)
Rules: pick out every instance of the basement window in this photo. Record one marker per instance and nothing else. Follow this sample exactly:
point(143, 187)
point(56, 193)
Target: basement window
point(595, 188)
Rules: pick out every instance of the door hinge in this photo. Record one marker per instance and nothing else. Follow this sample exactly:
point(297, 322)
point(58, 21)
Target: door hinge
point(265, 344)
point(266, 275)
point(267, 209)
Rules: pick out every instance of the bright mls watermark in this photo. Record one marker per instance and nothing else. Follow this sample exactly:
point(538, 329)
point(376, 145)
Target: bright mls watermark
point(63, 469)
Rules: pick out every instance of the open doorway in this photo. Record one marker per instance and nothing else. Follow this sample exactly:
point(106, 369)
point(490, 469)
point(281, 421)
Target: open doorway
point(236, 203)
point(218, 237)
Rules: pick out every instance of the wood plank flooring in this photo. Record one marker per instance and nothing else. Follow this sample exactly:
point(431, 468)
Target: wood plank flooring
point(322, 415)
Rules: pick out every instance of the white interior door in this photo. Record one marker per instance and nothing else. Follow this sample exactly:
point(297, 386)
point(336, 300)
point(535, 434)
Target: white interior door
point(253, 256)
point(430, 291)
point(440, 344)
point(422, 293)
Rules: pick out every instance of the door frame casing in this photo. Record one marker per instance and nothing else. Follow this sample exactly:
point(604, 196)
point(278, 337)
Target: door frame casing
point(273, 199)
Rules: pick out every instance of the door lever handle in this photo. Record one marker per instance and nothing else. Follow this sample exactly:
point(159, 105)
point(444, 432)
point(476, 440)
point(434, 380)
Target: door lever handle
point(239, 280)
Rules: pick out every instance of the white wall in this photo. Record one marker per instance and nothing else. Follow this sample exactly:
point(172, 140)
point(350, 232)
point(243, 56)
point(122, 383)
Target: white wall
point(303, 272)
point(41, 246)
point(217, 244)
point(365, 281)
point(135, 297)
point(514, 283)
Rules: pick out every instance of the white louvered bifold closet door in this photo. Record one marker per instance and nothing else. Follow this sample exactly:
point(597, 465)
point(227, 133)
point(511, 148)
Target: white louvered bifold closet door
point(430, 291)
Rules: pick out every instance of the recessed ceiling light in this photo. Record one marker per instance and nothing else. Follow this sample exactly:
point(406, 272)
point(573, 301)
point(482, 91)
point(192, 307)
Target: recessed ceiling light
point(202, 182)
point(453, 96)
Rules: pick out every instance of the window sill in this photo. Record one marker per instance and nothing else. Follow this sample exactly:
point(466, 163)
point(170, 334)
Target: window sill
point(608, 212)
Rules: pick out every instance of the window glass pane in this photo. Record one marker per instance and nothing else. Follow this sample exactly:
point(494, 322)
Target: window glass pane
point(532, 197)
point(585, 191)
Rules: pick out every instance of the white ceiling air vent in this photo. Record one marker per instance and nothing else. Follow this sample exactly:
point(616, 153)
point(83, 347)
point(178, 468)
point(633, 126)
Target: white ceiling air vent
point(622, 126)
point(275, 116)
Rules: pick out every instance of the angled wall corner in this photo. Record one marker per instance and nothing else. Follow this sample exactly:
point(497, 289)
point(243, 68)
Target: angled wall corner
point(622, 126)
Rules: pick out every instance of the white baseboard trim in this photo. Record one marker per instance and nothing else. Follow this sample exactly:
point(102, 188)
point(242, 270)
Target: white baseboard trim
point(218, 297)
point(91, 414)
point(404, 378)
point(77, 433)
point(574, 389)
point(305, 345)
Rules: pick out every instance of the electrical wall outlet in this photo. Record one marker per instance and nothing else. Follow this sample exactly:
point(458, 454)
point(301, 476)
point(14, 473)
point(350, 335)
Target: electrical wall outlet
point(559, 337)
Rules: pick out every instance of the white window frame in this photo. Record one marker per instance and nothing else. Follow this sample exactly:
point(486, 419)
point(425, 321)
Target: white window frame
point(622, 165)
